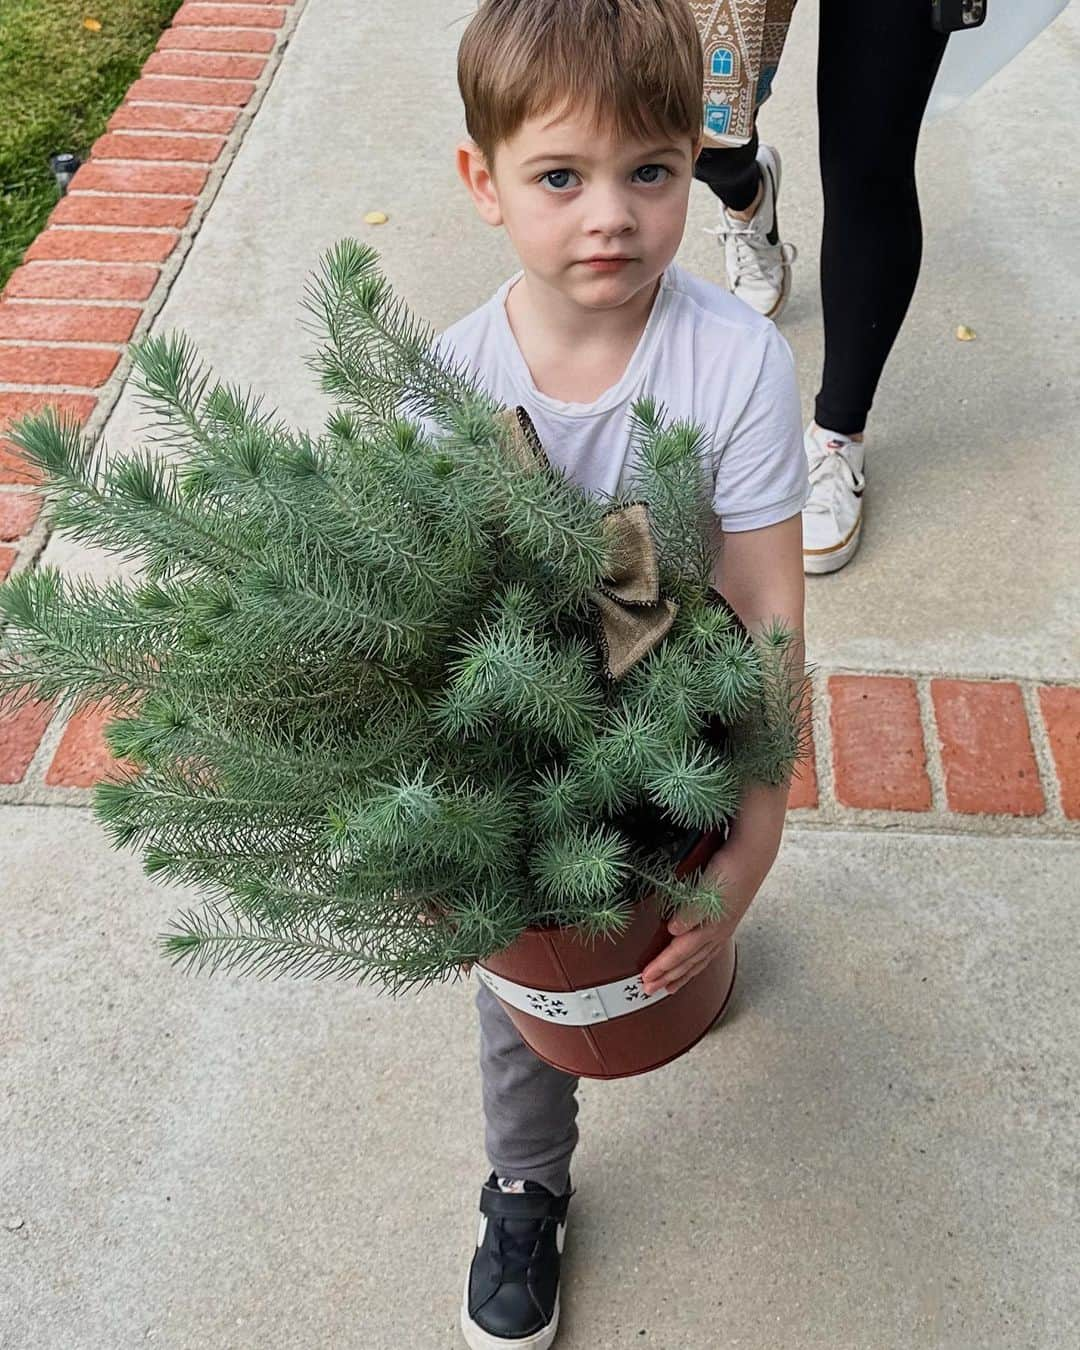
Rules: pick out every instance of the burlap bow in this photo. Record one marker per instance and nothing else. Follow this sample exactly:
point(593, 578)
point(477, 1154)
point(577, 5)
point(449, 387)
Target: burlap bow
point(633, 616)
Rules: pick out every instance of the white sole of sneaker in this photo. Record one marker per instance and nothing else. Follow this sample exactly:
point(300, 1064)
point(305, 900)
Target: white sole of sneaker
point(833, 559)
point(785, 283)
point(785, 279)
point(785, 292)
point(476, 1338)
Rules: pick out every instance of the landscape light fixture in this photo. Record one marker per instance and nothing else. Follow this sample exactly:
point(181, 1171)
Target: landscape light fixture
point(64, 167)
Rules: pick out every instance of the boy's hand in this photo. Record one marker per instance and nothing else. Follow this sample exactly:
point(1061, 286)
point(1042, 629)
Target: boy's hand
point(738, 868)
point(760, 573)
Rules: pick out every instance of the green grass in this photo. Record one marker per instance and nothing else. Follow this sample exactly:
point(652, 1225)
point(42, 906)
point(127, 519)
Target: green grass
point(59, 84)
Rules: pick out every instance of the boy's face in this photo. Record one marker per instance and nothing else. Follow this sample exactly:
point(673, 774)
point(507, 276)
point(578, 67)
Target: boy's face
point(566, 194)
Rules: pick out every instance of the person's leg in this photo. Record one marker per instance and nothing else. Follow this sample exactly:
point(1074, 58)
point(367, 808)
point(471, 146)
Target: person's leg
point(530, 1109)
point(732, 174)
point(876, 65)
point(512, 1291)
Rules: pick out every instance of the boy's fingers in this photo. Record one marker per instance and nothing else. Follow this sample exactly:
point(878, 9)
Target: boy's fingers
point(681, 974)
point(685, 978)
point(677, 951)
point(666, 977)
point(683, 971)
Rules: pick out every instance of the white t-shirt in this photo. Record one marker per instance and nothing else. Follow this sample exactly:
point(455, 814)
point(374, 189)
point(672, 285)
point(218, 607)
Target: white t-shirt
point(707, 357)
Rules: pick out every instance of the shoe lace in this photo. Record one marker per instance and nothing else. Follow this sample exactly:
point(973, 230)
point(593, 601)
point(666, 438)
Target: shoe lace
point(755, 257)
point(516, 1241)
point(832, 479)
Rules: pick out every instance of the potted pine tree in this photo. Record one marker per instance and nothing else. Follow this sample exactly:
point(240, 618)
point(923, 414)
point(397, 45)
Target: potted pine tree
point(398, 698)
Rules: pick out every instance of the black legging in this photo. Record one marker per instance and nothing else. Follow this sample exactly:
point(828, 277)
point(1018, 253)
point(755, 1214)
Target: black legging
point(876, 63)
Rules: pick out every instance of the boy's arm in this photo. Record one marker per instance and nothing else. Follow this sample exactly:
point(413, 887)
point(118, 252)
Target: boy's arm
point(760, 573)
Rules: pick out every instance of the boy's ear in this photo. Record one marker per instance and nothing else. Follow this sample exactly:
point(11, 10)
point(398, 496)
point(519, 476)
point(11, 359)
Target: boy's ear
point(474, 173)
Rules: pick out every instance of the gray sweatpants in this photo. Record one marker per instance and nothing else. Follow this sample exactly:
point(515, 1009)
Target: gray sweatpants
point(530, 1109)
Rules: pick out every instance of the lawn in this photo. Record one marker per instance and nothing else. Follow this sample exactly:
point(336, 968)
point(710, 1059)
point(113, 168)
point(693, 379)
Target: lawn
point(60, 79)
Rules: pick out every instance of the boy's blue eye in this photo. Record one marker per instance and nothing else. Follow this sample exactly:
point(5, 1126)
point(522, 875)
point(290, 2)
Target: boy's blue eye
point(645, 168)
point(555, 173)
point(648, 169)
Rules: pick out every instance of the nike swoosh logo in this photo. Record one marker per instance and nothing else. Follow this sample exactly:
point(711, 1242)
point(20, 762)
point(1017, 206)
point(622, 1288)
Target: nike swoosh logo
point(774, 234)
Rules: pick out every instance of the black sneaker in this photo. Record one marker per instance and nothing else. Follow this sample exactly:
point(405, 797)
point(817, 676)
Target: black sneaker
point(512, 1293)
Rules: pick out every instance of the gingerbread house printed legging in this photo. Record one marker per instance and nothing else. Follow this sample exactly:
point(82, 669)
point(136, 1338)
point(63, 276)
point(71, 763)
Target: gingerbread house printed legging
point(877, 60)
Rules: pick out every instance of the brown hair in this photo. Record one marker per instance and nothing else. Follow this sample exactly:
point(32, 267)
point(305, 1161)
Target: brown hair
point(635, 66)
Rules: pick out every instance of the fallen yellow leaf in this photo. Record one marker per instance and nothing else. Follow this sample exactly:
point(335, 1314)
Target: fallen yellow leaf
point(965, 334)
point(376, 218)
point(94, 25)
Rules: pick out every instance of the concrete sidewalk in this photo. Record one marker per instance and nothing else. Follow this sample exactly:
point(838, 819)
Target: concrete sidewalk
point(879, 1149)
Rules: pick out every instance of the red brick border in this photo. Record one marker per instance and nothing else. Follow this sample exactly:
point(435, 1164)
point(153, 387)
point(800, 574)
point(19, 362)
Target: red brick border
point(920, 750)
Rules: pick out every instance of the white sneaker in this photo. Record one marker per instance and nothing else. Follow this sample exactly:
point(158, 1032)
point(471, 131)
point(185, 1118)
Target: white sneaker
point(758, 265)
point(832, 518)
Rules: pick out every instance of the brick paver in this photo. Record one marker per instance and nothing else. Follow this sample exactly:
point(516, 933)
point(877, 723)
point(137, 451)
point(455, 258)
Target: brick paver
point(803, 794)
point(227, 16)
point(1061, 714)
point(127, 246)
point(82, 281)
point(18, 512)
point(85, 208)
point(21, 730)
point(879, 761)
point(207, 66)
point(804, 786)
point(172, 117)
point(986, 749)
point(71, 323)
point(211, 93)
point(82, 758)
point(14, 406)
point(216, 40)
point(163, 149)
point(173, 179)
point(73, 281)
point(982, 725)
point(13, 467)
point(86, 367)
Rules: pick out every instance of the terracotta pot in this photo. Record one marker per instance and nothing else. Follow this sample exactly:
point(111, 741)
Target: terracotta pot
point(589, 1012)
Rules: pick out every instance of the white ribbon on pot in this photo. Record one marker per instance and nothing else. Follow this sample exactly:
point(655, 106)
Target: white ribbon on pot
point(573, 1008)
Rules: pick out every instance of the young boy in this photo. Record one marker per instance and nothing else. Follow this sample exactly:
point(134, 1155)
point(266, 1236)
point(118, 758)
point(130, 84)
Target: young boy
point(584, 121)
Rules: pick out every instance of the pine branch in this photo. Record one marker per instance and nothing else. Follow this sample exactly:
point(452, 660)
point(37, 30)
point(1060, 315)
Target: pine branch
point(131, 507)
point(77, 641)
point(668, 460)
point(695, 787)
point(583, 869)
point(378, 357)
point(506, 671)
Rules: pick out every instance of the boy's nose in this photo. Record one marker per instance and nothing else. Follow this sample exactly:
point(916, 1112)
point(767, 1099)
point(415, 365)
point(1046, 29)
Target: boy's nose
point(609, 214)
